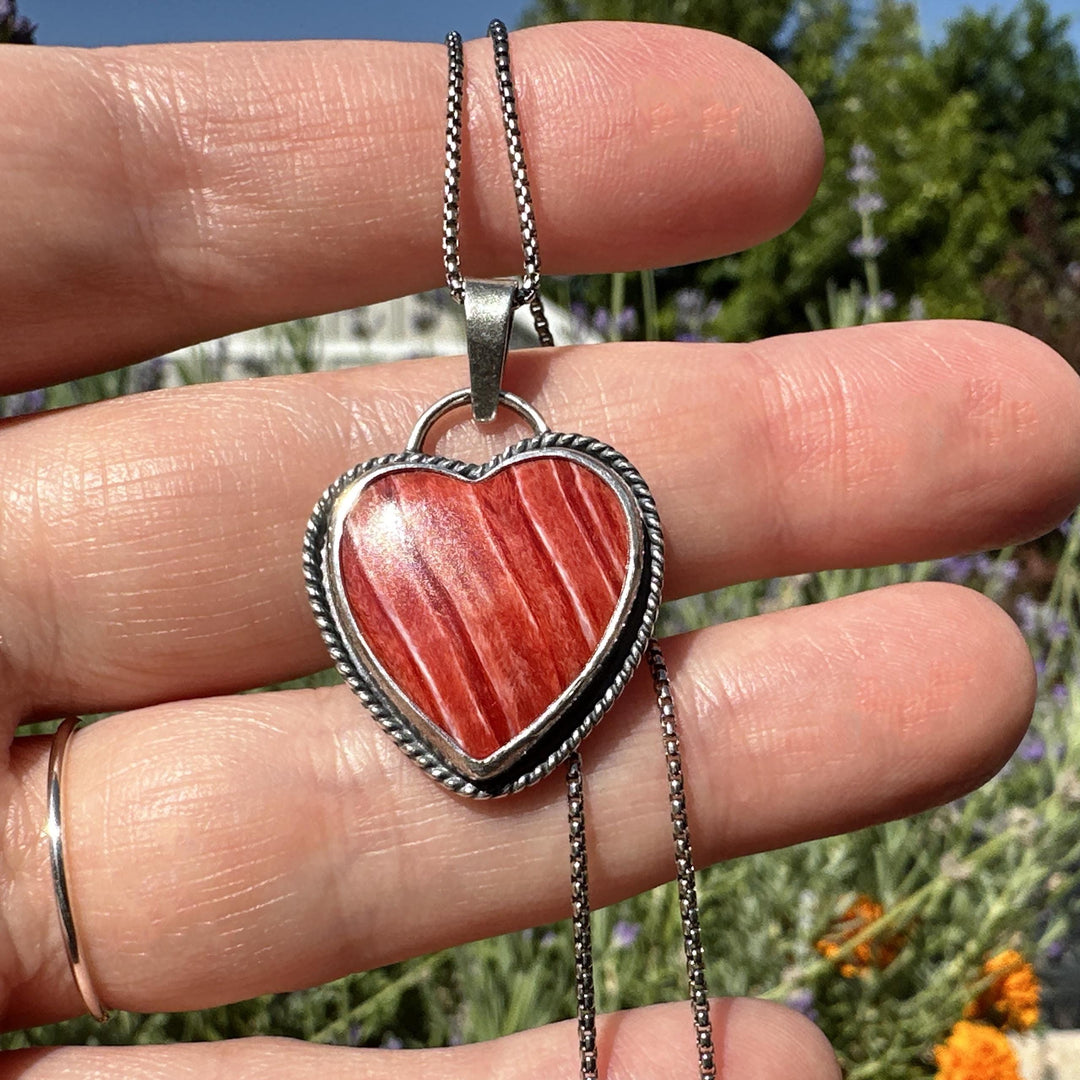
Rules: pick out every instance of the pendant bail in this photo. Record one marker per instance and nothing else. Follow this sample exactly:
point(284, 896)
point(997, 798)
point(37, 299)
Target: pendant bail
point(489, 314)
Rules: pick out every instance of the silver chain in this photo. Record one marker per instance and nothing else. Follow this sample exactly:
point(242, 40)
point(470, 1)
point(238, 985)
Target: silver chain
point(452, 176)
point(684, 874)
point(684, 867)
point(580, 917)
point(528, 291)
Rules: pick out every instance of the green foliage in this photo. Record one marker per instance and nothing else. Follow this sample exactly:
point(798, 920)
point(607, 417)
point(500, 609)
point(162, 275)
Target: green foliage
point(1024, 72)
point(956, 167)
point(15, 29)
point(759, 24)
point(1036, 286)
point(972, 136)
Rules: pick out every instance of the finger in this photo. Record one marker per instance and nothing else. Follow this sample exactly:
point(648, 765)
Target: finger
point(230, 847)
point(149, 547)
point(199, 189)
point(754, 1041)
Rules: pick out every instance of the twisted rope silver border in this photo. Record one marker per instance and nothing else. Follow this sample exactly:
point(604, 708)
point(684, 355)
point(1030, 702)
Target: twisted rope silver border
point(410, 742)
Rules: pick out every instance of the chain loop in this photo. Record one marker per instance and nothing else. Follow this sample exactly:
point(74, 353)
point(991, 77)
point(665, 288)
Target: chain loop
point(528, 291)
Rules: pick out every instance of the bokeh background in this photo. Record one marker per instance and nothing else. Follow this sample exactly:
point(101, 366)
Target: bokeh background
point(927, 947)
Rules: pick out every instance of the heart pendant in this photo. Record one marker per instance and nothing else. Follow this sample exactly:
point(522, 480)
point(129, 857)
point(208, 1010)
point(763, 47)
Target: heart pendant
point(487, 615)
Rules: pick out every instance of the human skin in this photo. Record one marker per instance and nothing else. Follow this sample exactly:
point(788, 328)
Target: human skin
point(225, 845)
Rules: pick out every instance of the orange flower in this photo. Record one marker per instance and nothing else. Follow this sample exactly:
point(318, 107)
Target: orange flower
point(877, 952)
point(1012, 999)
point(976, 1052)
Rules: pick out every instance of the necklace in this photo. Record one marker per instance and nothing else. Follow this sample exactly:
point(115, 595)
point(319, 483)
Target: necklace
point(489, 615)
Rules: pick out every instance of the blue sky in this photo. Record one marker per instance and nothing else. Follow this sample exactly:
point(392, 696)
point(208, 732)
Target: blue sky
point(121, 22)
point(936, 12)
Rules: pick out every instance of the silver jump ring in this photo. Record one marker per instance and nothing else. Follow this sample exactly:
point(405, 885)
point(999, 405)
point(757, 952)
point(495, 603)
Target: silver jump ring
point(463, 397)
point(55, 829)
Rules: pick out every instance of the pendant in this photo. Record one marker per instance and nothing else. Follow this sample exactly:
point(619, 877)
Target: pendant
point(487, 615)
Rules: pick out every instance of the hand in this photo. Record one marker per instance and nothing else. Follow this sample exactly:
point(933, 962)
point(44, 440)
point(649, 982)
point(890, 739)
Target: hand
point(222, 846)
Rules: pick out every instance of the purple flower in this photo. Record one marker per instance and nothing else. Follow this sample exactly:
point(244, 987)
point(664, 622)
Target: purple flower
point(1032, 749)
point(1007, 570)
point(1058, 630)
point(624, 934)
point(1040, 666)
point(627, 320)
point(150, 375)
point(1003, 570)
point(579, 311)
point(957, 568)
point(693, 312)
point(861, 154)
point(392, 1042)
point(1027, 614)
point(689, 303)
point(863, 173)
point(916, 308)
point(867, 247)
point(21, 404)
point(1060, 693)
point(802, 1001)
point(549, 939)
point(867, 202)
point(601, 320)
point(883, 301)
point(1055, 950)
point(1066, 526)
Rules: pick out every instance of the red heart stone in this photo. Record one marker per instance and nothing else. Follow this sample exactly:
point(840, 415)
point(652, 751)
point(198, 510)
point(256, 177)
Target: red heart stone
point(483, 600)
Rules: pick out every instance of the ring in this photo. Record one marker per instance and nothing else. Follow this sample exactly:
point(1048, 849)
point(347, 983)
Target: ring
point(57, 757)
point(464, 397)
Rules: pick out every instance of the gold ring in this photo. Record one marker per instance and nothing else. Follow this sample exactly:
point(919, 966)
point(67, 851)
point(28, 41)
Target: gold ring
point(57, 757)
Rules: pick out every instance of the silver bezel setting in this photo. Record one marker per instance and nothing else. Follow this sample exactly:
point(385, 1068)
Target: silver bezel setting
point(366, 659)
point(515, 765)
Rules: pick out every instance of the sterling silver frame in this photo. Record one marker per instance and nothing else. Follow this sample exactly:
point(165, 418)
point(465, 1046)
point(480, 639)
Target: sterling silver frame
point(510, 768)
point(366, 659)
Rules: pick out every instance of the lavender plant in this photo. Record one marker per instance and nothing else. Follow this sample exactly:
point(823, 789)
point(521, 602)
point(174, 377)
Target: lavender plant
point(690, 315)
point(868, 245)
point(862, 301)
